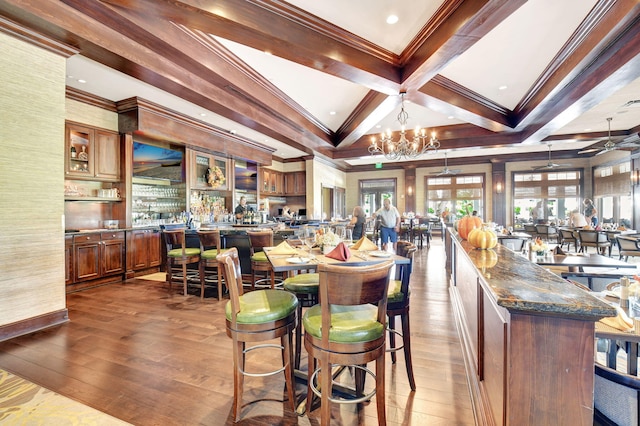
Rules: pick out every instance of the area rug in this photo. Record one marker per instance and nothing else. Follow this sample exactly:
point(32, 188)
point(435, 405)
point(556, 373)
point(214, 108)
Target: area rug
point(25, 403)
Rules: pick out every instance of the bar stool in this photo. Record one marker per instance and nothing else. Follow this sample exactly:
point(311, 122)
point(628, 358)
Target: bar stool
point(209, 251)
point(348, 327)
point(398, 304)
point(257, 316)
point(305, 287)
point(179, 255)
point(258, 240)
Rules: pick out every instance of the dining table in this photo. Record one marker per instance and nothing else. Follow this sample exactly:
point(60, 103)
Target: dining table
point(578, 261)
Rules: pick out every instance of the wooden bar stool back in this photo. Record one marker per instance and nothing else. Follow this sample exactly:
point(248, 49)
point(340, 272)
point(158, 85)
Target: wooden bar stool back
point(398, 305)
point(348, 296)
point(259, 262)
point(257, 316)
point(179, 256)
point(210, 248)
point(305, 287)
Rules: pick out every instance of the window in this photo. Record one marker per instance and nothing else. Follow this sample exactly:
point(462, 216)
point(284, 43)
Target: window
point(612, 193)
point(545, 196)
point(453, 193)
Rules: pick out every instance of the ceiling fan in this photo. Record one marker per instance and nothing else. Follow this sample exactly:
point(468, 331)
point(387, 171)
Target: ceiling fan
point(550, 165)
point(447, 171)
point(609, 145)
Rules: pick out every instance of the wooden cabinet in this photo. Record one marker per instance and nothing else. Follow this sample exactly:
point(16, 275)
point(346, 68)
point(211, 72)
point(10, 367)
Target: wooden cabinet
point(98, 255)
point(91, 154)
point(208, 172)
point(68, 260)
point(295, 183)
point(144, 249)
point(272, 182)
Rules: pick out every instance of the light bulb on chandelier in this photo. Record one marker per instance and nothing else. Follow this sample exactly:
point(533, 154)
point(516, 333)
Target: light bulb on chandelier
point(404, 148)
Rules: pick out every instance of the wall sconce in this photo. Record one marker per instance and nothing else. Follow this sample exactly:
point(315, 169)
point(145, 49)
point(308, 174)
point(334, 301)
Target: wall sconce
point(410, 190)
point(635, 177)
point(499, 187)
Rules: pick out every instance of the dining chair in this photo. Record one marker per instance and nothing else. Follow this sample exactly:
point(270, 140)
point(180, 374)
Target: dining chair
point(179, 256)
point(305, 287)
point(347, 327)
point(616, 397)
point(628, 246)
point(258, 240)
point(531, 229)
point(210, 248)
point(514, 243)
point(547, 232)
point(257, 316)
point(593, 238)
point(398, 305)
point(568, 237)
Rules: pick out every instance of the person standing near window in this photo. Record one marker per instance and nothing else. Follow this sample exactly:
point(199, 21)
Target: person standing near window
point(390, 223)
point(358, 219)
point(590, 212)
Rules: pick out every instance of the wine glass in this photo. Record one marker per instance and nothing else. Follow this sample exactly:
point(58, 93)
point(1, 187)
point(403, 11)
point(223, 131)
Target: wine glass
point(348, 236)
point(310, 239)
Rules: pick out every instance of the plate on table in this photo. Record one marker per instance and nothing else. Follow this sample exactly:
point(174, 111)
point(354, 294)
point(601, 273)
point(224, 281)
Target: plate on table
point(298, 259)
point(380, 254)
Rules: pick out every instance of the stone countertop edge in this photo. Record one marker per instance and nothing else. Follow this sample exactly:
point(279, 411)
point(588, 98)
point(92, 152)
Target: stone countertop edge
point(223, 229)
point(522, 286)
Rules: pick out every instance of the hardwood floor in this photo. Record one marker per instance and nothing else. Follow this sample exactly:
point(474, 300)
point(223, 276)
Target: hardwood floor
point(149, 357)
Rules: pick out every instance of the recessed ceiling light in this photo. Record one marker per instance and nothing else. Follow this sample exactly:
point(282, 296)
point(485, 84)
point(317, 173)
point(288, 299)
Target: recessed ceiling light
point(69, 76)
point(451, 117)
point(392, 19)
point(587, 130)
point(502, 88)
point(266, 52)
point(332, 113)
point(232, 131)
point(378, 126)
point(202, 114)
point(81, 80)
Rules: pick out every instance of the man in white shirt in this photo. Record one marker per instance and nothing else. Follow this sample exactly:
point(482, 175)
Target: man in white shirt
point(390, 225)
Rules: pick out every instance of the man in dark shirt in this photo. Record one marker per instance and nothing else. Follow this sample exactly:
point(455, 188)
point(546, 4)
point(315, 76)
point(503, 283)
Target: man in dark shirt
point(241, 209)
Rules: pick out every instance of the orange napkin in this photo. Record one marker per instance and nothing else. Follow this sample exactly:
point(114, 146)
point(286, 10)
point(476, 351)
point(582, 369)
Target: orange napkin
point(364, 244)
point(621, 321)
point(283, 248)
point(341, 252)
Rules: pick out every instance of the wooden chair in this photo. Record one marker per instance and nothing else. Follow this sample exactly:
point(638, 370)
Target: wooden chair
point(257, 316)
point(531, 230)
point(547, 232)
point(398, 304)
point(259, 262)
point(178, 255)
point(568, 237)
point(422, 232)
point(591, 238)
point(628, 246)
point(209, 251)
point(616, 397)
point(348, 295)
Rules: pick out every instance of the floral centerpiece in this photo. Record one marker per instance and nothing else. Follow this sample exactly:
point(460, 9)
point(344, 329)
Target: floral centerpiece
point(539, 247)
point(215, 177)
point(326, 240)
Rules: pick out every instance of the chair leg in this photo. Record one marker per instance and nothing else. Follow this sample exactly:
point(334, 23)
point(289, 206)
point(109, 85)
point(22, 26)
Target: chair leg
point(201, 271)
point(380, 393)
point(184, 277)
point(238, 378)
point(169, 275)
point(392, 336)
point(406, 340)
point(220, 283)
point(327, 388)
point(286, 342)
point(298, 347)
point(311, 367)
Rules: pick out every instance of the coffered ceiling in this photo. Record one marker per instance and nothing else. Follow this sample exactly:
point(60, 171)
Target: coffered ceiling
point(492, 79)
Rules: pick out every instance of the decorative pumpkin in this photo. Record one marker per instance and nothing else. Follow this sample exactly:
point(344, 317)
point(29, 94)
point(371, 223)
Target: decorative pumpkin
point(484, 259)
point(466, 224)
point(482, 238)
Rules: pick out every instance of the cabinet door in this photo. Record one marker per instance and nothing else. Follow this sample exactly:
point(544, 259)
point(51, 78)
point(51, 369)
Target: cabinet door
point(68, 260)
point(139, 256)
point(301, 183)
point(154, 247)
point(112, 257)
point(79, 151)
point(107, 155)
point(87, 261)
point(289, 183)
point(200, 163)
point(266, 181)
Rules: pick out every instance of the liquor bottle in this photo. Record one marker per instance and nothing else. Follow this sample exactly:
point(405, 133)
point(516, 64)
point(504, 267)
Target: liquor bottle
point(73, 151)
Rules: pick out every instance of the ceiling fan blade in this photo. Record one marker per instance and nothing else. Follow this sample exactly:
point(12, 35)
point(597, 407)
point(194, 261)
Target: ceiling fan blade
point(628, 145)
point(589, 150)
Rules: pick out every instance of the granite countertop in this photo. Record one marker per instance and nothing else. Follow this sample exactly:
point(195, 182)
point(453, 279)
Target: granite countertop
point(518, 284)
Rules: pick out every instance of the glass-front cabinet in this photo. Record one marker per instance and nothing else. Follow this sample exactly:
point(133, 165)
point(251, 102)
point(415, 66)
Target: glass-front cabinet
point(80, 146)
point(209, 172)
point(92, 153)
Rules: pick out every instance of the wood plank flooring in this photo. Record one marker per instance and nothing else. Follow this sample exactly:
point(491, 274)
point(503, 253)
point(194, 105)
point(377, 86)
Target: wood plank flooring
point(150, 357)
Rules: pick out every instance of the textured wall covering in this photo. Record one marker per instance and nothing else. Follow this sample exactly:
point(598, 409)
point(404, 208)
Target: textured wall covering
point(32, 102)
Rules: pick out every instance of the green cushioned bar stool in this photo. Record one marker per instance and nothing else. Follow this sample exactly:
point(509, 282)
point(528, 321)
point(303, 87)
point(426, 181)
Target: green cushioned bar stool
point(259, 261)
point(178, 255)
point(305, 287)
point(257, 316)
point(209, 251)
point(398, 305)
point(348, 327)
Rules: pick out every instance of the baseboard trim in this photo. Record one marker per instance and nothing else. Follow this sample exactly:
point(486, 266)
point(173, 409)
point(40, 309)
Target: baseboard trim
point(31, 325)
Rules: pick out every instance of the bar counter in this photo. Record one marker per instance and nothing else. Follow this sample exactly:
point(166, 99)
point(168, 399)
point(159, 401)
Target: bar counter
point(527, 337)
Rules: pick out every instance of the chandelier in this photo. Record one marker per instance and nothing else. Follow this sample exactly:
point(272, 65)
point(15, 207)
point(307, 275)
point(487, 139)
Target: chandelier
point(404, 148)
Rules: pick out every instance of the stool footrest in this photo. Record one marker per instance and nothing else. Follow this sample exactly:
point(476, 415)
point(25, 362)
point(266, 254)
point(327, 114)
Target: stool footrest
point(268, 373)
point(363, 398)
